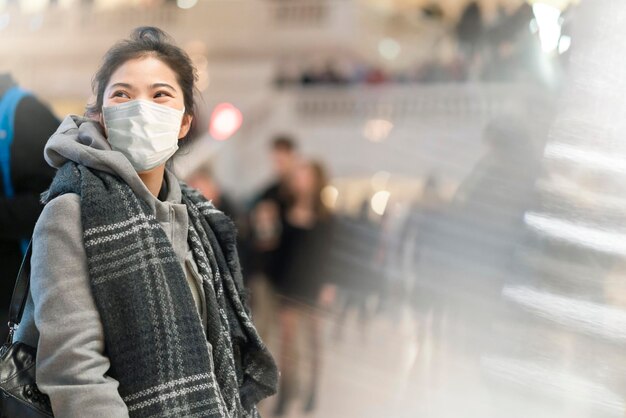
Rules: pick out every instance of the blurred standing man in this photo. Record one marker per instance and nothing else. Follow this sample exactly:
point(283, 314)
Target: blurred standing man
point(284, 159)
point(266, 220)
point(25, 126)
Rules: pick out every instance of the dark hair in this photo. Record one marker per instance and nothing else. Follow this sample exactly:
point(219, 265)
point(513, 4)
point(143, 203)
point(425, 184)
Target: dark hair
point(320, 175)
point(283, 143)
point(321, 181)
point(147, 41)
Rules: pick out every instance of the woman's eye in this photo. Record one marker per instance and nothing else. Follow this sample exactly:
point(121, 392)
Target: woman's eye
point(162, 94)
point(120, 93)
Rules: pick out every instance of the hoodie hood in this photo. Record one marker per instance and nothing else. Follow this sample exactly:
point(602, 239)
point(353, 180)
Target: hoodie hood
point(6, 82)
point(81, 140)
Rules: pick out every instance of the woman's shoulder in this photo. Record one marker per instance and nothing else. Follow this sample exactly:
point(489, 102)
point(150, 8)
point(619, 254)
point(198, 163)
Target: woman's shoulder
point(63, 202)
point(57, 244)
point(64, 208)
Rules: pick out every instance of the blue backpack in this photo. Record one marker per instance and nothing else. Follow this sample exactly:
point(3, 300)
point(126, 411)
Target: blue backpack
point(8, 105)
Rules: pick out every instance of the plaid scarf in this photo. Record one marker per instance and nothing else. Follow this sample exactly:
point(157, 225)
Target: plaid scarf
point(166, 365)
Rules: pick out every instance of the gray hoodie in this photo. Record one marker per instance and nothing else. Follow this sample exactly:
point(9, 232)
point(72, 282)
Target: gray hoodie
point(61, 318)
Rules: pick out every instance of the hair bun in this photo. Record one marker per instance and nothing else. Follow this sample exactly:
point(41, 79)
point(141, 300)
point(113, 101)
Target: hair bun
point(150, 34)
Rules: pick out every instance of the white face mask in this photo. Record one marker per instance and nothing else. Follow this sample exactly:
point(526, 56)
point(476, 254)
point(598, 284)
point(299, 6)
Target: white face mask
point(145, 132)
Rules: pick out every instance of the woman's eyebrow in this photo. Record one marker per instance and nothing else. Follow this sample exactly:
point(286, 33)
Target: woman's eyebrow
point(158, 85)
point(123, 85)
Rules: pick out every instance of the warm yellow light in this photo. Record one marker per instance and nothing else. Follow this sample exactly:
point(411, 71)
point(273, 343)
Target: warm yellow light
point(34, 6)
point(329, 196)
point(389, 49)
point(377, 130)
point(186, 4)
point(379, 202)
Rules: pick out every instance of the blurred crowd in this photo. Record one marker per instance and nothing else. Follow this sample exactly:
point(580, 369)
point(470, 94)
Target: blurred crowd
point(444, 257)
point(505, 49)
point(303, 260)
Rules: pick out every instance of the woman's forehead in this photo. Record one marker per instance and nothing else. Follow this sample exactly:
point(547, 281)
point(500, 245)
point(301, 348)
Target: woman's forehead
point(144, 72)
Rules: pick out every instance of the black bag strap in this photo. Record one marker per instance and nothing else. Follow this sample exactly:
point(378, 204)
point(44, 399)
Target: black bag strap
point(20, 292)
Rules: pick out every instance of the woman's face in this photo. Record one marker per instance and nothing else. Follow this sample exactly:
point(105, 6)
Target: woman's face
point(303, 181)
point(146, 78)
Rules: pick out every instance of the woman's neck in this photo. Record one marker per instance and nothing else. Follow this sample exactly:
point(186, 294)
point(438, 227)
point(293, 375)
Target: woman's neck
point(153, 179)
point(302, 213)
point(304, 201)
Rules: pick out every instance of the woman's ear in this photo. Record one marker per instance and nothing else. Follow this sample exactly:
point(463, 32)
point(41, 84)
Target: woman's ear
point(100, 119)
point(185, 126)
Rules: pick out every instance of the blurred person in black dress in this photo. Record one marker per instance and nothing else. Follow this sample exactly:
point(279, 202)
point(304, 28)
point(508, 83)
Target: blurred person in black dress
point(264, 234)
point(301, 279)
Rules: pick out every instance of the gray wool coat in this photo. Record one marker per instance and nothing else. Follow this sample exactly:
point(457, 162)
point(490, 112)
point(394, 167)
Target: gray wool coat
point(61, 318)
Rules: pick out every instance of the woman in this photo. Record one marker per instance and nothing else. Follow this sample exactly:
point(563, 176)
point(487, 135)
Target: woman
point(299, 279)
point(136, 303)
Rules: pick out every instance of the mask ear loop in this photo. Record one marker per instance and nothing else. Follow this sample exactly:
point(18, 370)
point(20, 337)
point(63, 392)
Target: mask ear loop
point(102, 123)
